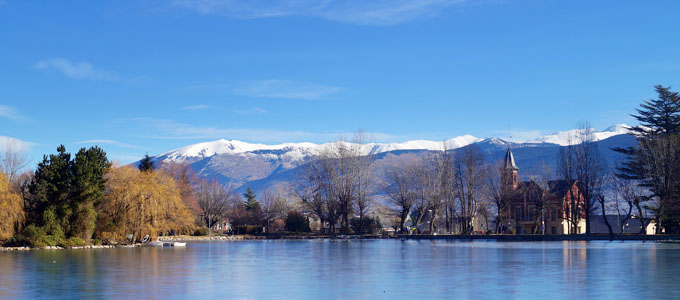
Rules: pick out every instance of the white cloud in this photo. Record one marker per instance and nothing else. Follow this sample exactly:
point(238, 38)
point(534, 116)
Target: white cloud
point(10, 113)
point(362, 12)
point(108, 142)
point(284, 89)
point(76, 70)
point(197, 107)
point(250, 111)
point(17, 144)
point(172, 130)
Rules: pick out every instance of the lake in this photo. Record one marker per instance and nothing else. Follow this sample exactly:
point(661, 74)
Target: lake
point(350, 269)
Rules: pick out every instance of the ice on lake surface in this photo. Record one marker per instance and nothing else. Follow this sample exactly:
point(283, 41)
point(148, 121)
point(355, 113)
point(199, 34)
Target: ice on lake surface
point(356, 269)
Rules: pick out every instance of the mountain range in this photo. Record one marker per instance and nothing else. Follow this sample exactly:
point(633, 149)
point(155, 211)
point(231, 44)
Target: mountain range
point(261, 166)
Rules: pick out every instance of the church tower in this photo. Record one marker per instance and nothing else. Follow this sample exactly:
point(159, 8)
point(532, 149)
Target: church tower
point(509, 171)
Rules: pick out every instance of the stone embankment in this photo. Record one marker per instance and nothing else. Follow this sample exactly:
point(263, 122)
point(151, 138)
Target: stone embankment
point(189, 238)
point(538, 237)
point(24, 248)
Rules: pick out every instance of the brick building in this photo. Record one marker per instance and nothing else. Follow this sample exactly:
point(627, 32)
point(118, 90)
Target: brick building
point(543, 207)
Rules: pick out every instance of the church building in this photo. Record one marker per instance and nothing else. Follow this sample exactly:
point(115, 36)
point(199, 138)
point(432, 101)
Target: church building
point(538, 207)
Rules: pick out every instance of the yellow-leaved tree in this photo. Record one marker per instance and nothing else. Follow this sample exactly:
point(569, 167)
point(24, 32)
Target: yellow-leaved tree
point(11, 209)
point(141, 203)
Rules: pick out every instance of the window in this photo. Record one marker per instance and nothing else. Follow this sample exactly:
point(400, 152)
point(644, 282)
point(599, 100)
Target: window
point(553, 214)
point(553, 230)
point(518, 213)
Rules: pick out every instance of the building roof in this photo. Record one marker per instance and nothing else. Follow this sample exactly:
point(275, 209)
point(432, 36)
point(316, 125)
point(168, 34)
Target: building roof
point(509, 162)
point(631, 225)
point(556, 189)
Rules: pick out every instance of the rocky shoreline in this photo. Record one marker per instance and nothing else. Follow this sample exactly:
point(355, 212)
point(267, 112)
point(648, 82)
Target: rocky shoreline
point(514, 238)
point(25, 248)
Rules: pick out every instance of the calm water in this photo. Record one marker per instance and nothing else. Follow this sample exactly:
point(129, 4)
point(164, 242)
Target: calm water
point(374, 269)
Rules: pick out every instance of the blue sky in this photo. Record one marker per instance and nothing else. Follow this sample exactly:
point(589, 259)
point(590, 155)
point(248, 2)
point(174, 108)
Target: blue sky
point(150, 76)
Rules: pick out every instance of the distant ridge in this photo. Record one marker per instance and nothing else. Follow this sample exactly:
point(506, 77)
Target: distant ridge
point(261, 166)
point(301, 150)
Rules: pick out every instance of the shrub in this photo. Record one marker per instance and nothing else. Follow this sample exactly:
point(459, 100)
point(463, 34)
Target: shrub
point(296, 222)
point(366, 225)
point(248, 229)
point(278, 225)
point(72, 242)
point(201, 231)
point(34, 236)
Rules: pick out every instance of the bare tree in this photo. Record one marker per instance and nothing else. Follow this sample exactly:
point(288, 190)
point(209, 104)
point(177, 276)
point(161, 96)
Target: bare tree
point(590, 170)
point(566, 170)
point(274, 206)
point(339, 182)
point(629, 195)
point(316, 190)
point(469, 177)
point(496, 192)
point(214, 200)
point(422, 186)
point(599, 191)
point(12, 159)
point(400, 188)
point(541, 178)
point(447, 185)
point(365, 177)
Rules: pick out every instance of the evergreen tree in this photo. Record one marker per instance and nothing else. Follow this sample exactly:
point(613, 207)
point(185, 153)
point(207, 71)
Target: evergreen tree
point(250, 203)
point(65, 192)
point(146, 164)
point(659, 116)
point(50, 188)
point(89, 167)
point(655, 160)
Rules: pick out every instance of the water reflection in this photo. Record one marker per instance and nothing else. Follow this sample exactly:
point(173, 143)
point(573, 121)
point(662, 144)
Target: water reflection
point(381, 269)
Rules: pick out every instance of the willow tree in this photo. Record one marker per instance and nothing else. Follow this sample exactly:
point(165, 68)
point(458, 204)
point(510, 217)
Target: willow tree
point(11, 209)
point(141, 203)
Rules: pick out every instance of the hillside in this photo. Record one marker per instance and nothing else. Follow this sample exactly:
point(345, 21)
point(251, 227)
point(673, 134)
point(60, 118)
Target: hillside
point(260, 166)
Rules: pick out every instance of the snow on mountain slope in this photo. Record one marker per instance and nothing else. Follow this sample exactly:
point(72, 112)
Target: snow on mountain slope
point(298, 151)
point(564, 138)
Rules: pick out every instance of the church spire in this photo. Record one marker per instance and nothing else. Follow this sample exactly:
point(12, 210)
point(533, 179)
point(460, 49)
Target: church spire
point(509, 163)
point(509, 171)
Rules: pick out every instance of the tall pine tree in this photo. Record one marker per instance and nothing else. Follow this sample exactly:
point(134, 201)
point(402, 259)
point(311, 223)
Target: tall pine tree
point(50, 188)
point(89, 167)
point(65, 192)
point(250, 202)
point(146, 164)
point(655, 160)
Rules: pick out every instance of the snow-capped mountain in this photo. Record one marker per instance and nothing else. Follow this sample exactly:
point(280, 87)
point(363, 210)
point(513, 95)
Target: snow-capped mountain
point(260, 165)
point(568, 137)
point(298, 151)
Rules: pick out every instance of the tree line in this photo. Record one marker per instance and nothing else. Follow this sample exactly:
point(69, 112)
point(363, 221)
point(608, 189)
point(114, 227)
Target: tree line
point(81, 198)
point(449, 190)
point(84, 198)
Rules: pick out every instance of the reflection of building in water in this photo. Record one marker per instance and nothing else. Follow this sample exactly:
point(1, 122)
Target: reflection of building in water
point(538, 207)
point(574, 254)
